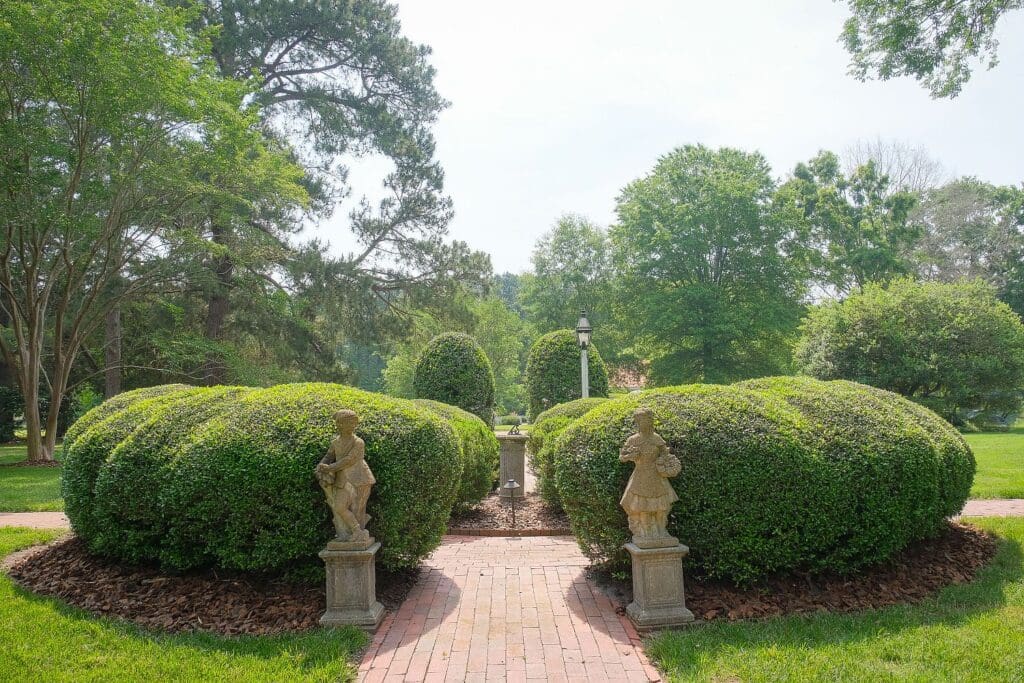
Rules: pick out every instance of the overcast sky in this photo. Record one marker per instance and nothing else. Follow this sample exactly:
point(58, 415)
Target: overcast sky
point(557, 104)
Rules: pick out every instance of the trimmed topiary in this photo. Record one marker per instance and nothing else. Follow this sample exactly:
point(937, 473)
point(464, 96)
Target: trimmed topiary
point(127, 510)
point(553, 372)
point(543, 431)
point(453, 369)
point(234, 485)
point(478, 446)
point(778, 475)
point(92, 438)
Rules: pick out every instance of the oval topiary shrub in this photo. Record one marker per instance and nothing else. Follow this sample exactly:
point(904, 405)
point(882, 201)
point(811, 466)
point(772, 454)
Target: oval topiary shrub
point(478, 446)
point(778, 475)
point(242, 494)
point(453, 369)
point(543, 431)
point(91, 439)
point(553, 372)
point(130, 522)
point(234, 485)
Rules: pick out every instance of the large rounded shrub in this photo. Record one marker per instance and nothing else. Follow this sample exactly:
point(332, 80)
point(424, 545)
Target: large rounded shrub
point(543, 431)
point(453, 369)
point(94, 436)
point(778, 475)
point(553, 371)
point(478, 446)
point(953, 347)
point(231, 473)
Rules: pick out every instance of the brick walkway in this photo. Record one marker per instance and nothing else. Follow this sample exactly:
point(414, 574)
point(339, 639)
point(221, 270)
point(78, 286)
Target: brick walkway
point(1009, 507)
point(500, 609)
point(36, 520)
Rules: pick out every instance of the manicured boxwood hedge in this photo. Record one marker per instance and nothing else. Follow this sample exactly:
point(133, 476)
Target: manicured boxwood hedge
point(453, 369)
point(478, 446)
point(543, 431)
point(553, 372)
point(231, 476)
point(778, 475)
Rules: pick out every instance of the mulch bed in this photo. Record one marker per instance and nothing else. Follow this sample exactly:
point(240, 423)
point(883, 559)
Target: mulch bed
point(493, 517)
point(225, 603)
point(917, 573)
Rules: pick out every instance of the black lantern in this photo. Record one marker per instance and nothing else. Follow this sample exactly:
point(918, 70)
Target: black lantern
point(583, 331)
point(512, 485)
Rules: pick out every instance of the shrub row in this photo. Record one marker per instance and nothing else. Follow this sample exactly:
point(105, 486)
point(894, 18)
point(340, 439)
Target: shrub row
point(478, 447)
point(779, 474)
point(542, 434)
point(223, 476)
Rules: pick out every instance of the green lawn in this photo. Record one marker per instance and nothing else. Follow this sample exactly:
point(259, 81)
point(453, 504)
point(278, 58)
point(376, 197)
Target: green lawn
point(973, 632)
point(44, 640)
point(27, 489)
point(1000, 463)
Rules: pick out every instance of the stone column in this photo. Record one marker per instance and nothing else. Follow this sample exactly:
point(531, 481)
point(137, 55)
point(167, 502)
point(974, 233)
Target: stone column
point(512, 463)
point(351, 585)
point(658, 596)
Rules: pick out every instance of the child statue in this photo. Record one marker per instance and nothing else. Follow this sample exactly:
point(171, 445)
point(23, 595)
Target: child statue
point(649, 495)
point(346, 480)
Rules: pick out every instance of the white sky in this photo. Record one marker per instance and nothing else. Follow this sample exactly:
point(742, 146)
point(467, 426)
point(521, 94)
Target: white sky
point(556, 105)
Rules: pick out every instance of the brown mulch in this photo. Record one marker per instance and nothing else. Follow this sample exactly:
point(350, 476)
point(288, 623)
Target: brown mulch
point(918, 572)
point(225, 603)
point(493, 513)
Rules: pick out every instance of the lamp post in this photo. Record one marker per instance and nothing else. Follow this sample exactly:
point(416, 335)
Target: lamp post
point(583, 331)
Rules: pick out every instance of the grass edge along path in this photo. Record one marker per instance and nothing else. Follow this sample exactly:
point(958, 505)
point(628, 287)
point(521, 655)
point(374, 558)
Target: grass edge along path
point(969, 632)
point(1000, 457)
point(45, 640)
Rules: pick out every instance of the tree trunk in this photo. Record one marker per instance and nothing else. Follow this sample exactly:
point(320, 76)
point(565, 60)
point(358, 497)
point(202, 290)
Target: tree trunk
point(37, 450)
point(217, 309)
point(112, 353)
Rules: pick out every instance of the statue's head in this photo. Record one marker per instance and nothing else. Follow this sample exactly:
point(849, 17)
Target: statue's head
point(644, 419)
point(346, 421)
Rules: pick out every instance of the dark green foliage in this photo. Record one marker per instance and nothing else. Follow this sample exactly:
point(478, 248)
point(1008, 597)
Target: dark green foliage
point(90, 441)
point(127, 511)
point(553, 372)
point(543, 431)
point(234, 485)
point(954, 348)
point(453, 369)
point(478, 446)
point(779, 474)
point(11, 405)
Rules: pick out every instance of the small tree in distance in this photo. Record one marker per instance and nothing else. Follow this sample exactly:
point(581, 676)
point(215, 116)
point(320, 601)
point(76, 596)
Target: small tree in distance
point(952, 347)
point(453, 369)
point(553, 373)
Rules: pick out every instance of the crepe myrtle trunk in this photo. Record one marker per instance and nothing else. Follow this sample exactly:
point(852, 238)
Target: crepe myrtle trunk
point(112, 353)
point(218, 306)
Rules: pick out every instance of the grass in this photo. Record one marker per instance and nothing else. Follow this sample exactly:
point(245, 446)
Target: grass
point(1000, 463)
point(28, 489)
point(973, 632)
point(45, 640)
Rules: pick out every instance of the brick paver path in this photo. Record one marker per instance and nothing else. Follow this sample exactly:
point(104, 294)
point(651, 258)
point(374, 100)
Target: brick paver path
point(36, 520)
point(506, 609)
point(1009, 507)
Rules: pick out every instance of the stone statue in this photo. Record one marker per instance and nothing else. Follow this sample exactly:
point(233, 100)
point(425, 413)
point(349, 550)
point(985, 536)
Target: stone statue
point(346, 480)
point(649, 495)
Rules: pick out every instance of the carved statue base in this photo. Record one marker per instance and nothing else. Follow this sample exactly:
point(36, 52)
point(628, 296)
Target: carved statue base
point(512, 464)
point(658, 597)
point(351, 585)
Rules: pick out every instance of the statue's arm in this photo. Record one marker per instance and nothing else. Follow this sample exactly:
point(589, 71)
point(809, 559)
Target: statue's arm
point(357, 453)
point(628, 453)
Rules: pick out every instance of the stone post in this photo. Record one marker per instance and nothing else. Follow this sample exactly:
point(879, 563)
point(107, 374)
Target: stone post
point(658, 596)
point(351, 585)
point(512, 463)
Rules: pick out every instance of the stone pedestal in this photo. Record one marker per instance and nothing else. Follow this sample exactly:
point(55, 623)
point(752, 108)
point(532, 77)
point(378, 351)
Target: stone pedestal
point(351, 585)
point(512, 463)
point(658, 597)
